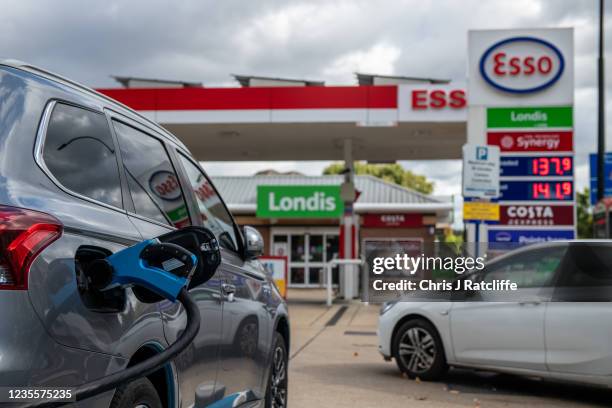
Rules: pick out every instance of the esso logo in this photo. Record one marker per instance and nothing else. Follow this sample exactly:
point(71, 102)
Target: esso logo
point(165, 185)
point(438, 99)
point(522, 65)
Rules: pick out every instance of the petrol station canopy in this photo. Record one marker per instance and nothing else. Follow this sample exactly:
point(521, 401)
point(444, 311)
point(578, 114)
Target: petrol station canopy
point(407, 118)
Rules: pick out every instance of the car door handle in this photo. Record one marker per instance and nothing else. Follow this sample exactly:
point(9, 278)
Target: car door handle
point(228, 291)
point(530, 302)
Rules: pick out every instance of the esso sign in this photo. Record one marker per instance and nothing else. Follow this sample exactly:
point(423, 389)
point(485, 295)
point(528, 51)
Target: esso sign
point(165, 185)
point(522, 65)
point(438, 99)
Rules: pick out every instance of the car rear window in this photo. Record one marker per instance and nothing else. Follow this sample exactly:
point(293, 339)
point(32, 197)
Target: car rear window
point(79, 152)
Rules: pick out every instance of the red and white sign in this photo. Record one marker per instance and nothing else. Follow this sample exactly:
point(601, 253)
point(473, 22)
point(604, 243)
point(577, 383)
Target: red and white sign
point(438, 99)
point(432, 103)
point(522, 67)
point(521, 64)
point(536, 215)
point(392, 220)
point(530, 141)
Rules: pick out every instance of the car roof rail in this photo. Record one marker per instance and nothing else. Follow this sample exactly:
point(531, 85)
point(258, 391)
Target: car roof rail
point(59, 78)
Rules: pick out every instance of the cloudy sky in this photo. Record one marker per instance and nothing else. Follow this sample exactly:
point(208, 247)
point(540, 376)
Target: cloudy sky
point(325, 40)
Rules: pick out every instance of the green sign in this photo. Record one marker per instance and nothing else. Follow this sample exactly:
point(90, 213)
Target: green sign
point(560, 116)
point(299, 202)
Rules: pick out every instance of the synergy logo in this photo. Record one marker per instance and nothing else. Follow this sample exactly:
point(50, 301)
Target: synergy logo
point(522, 65)
point(541, 141)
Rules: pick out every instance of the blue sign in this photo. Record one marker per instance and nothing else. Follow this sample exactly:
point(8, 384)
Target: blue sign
point(593, 174)
point(536, 190)
point(543, 66)
point(528, 236)
point(544, 166)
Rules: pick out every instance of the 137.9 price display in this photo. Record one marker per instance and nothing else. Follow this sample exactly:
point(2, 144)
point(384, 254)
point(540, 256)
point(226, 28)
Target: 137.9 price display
point(537, 166)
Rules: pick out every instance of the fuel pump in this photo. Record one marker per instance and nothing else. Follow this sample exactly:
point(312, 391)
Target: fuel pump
point(164, 266)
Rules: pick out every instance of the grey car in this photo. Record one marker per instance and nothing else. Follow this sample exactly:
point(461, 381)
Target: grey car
point(81, 177)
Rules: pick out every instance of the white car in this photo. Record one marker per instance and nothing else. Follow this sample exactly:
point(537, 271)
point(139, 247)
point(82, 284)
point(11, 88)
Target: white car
point(561, 328)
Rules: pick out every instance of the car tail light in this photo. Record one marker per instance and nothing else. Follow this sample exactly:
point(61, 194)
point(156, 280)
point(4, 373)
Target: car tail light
point(23, 235)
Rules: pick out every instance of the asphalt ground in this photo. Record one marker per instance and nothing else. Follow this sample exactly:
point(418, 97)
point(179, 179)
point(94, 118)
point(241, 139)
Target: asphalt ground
point(334, 362)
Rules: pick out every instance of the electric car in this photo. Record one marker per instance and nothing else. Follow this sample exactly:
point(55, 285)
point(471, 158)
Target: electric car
point(559, 326)
point(81, 177)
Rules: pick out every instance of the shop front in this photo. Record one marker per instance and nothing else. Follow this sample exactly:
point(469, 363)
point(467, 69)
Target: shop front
point(299, 217)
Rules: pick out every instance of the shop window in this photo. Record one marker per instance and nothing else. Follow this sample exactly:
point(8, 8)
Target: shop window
point(332, 245)
point(298, 248)
point(297, 275)
point(316, 275)
point(316, 248)
point(280, 245)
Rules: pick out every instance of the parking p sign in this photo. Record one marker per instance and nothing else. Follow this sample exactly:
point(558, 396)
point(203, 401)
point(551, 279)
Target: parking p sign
point(480, 171)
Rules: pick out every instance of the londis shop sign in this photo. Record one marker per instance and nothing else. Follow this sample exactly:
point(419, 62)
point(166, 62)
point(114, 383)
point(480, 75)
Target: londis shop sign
point(274, 201)
point(548, 117)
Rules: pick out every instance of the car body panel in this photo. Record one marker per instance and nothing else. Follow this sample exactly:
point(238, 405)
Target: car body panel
point(508, 334)
point(567, 341)
point(66, 342)
point(578, 337)
point(247, 328)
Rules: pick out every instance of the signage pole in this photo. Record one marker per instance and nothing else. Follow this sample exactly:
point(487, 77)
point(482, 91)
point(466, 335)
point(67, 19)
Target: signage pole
point(601, 130)
point(348, 282)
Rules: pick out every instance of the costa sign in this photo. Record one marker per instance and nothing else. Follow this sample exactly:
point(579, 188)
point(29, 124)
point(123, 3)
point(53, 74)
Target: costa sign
point(522, 64)
point(392, 220)
point(536, 215)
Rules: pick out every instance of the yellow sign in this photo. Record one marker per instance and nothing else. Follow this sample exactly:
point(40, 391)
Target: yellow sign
point(480, 210)
point(276, 267)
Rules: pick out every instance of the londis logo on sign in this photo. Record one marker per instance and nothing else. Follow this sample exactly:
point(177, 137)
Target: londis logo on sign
point(522, 65)
point(299, 202)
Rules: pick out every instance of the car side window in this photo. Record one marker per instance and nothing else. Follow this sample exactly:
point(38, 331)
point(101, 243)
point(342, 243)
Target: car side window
point(152, 181)
point(588, 265)
point(213, 213)
point(533, 269)
point(80, 153)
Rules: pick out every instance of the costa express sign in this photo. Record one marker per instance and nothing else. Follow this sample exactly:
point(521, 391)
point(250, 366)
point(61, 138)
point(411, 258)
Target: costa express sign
point(522, 64)
point(299, 201)
point(536, 215)
point(392, 220)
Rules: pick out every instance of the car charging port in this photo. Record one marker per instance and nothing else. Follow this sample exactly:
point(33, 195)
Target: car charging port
point(94, 273)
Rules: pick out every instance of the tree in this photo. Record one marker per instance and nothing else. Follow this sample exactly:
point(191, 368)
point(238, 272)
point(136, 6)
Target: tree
point(584, 214)
point(393, 173)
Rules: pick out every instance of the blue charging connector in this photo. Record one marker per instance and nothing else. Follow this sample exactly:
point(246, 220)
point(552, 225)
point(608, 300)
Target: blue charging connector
point(131, 267)
point(165, 268)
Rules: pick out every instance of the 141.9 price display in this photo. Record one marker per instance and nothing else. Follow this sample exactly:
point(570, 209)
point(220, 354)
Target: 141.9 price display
point(558, 190)
point(537, 191)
